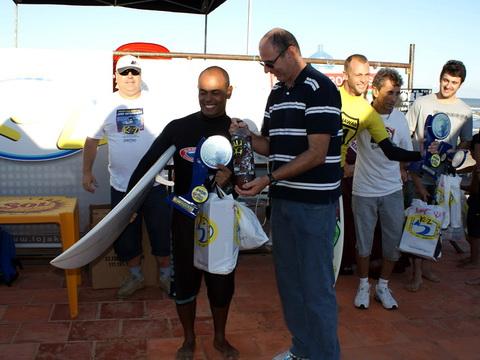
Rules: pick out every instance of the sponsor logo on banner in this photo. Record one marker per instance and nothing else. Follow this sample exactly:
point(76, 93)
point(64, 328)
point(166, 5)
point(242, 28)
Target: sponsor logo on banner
point(34, 114)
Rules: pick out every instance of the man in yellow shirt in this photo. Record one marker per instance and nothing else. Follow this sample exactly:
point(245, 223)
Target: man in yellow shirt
point(358, 115)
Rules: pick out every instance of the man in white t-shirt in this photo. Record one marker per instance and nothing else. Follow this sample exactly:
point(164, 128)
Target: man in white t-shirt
point(131, 120)
point(452, 76)
point(377, 191)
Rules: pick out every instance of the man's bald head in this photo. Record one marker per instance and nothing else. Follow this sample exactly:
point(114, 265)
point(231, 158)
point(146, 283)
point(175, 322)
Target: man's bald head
point(213, 91)
point(216, 71)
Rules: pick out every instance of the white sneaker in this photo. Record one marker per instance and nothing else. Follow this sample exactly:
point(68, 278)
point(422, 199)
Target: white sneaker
point(287, 355)
point(130, 285)
point(384, 295)
point(362, 299)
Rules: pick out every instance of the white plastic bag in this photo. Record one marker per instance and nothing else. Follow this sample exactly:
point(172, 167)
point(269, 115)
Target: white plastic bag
point(216, 235)
point(449, 197)
point(455, 202)
point(250, 231)
point(421, 233)
point(442, 196)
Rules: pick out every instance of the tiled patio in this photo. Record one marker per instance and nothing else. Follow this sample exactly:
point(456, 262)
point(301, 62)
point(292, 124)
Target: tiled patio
point(442, 321)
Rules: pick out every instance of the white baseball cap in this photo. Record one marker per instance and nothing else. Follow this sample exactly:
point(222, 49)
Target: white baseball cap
point(128, 62)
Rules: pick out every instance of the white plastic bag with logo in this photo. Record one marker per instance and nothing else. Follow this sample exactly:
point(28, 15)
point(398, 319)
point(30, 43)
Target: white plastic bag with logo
point(250, 231)
point(421, 234)
point(216, 235)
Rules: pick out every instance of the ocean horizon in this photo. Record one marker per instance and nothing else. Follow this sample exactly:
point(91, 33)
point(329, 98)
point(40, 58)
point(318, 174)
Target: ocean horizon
point(474, 104)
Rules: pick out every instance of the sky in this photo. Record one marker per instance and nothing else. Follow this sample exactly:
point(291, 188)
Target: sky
point(382, 30)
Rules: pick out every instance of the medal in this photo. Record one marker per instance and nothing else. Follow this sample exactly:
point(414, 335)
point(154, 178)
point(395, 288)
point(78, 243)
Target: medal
point(435, 160)
point(199, 194)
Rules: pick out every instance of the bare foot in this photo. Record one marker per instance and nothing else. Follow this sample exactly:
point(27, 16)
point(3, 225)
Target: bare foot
point(414, 286)
point(475, 281)
point(430, 276)
point(186, 351)
point(227, 350)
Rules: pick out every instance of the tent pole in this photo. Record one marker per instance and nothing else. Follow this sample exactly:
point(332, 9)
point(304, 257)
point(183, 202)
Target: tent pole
point(411, 62)
point(15, 30)
point(249, 16)
point(205, 36)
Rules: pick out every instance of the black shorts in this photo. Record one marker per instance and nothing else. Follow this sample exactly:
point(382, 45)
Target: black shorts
point(187, 278)
point(156, 213)
point(473, 215)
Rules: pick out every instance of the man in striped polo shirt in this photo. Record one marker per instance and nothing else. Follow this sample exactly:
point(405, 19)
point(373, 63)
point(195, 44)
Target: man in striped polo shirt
point(301, 135)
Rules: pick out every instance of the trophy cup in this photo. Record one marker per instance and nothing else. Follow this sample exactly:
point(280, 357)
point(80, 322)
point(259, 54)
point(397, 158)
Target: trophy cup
point(215, 150)
point(437, 128)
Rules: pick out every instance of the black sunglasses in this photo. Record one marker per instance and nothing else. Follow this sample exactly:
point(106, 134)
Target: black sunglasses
point(271, 63)
point(125, 72)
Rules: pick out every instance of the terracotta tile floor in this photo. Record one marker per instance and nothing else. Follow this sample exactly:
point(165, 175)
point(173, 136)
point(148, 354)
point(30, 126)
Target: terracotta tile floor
point(442, 321)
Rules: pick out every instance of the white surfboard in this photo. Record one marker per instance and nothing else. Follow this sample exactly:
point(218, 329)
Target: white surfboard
point(98, 239)
point(338, 240)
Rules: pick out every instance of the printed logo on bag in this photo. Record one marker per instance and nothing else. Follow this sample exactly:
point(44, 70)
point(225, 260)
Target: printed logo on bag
point(423, 226)
point(440, 195)
point(205, 231)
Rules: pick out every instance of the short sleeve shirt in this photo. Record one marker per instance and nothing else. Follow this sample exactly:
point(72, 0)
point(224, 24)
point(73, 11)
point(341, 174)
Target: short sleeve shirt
point(358, 115)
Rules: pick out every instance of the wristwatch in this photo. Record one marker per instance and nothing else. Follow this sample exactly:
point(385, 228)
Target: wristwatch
point(272, 179)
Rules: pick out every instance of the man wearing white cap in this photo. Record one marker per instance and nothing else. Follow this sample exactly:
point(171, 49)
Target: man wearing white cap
point(131, 120)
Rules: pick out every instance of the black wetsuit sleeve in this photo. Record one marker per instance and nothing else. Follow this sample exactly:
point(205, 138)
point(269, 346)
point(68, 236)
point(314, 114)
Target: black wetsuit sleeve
point(396, 153)
point(159, 146)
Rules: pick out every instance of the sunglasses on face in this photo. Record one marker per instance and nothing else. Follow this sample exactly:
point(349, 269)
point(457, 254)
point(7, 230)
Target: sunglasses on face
point(125, 72)
point(271, 63)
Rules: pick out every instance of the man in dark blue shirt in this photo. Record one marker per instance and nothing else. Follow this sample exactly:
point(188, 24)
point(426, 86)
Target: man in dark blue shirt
point(302, 135)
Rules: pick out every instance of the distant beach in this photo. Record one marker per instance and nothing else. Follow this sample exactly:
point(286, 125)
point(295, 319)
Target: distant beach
point(474, 103)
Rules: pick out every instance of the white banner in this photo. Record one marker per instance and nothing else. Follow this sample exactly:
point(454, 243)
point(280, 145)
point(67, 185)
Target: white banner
point(45, 95)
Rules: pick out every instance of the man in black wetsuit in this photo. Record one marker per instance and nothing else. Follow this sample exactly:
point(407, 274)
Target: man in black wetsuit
point(213, 92)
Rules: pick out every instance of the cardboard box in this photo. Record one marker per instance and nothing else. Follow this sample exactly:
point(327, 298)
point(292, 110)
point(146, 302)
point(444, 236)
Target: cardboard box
point(107, 271)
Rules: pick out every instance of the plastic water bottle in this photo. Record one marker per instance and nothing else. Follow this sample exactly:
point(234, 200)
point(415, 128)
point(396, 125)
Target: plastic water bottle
point(243, 164)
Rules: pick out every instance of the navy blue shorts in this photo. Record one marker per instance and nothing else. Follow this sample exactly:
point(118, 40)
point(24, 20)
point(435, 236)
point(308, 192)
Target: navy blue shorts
point(156, 213)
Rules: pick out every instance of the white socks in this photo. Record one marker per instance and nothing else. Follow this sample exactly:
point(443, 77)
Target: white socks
point(382, 283)
point(363, 281)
